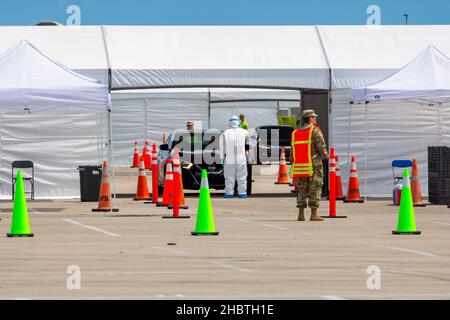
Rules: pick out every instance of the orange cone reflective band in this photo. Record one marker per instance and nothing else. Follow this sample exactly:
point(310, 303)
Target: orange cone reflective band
point(142, 186)
point(104, 200)
point(176, 187)
point(147, 158)
point(180, 177)
point(415, 186)
point(144, 150)
point(154, 175)
point(332, 186)
point(339, 190)
point(282, 170)
point(353, 186)
point(168, 186)
point(136, 156)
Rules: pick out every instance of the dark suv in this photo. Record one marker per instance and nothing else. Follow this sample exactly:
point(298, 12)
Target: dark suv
point(270, 139)
point(198, 150)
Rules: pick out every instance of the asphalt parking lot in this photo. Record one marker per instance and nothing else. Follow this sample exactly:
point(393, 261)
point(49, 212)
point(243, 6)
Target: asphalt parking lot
point(262, 252)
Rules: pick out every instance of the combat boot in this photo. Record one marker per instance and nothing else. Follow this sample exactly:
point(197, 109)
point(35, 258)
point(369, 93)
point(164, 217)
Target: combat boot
point(315, 216)
point(301, 214)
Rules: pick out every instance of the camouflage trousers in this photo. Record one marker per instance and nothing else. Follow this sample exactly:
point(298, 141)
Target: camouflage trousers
point(309, 190)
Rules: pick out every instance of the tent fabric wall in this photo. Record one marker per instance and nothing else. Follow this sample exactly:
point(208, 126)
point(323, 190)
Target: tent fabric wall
point(147, 114)
point(57, 144)
point(267, 56)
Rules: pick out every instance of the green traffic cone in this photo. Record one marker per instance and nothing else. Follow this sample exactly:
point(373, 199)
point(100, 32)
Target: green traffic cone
point(406, 221)
point(20, 226)
point(205, 219)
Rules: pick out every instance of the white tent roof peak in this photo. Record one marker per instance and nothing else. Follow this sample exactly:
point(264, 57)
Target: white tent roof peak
point(24, 51)
point(31, 80)
point(425, 78)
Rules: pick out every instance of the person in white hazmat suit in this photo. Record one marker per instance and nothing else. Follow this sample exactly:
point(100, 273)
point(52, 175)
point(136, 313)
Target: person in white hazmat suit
point(233, 157)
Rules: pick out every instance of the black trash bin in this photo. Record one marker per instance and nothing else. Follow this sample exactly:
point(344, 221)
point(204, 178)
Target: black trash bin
point(90, 180)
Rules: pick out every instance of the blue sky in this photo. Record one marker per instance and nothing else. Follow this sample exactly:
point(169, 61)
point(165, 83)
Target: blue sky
point(224, 12)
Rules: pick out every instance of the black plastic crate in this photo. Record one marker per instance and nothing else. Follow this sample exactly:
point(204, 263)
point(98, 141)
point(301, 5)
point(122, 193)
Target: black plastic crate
point(439, 175)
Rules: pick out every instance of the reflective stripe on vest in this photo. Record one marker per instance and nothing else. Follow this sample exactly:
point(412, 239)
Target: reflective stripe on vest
point(301, 148)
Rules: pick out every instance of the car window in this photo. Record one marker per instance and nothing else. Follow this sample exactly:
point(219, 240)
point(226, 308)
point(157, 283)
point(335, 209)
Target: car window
point(190, 141)
point(284, 135)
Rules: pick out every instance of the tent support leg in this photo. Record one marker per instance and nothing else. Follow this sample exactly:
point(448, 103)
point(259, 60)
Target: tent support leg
point(111, 161)
point(365, 153)
point(349, 133)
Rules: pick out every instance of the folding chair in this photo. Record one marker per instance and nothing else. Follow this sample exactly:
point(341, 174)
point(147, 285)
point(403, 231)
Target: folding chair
point(27, 175)
point(400, 164)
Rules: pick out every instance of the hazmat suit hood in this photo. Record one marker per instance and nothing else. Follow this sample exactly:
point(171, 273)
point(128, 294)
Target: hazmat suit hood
point(234, 122)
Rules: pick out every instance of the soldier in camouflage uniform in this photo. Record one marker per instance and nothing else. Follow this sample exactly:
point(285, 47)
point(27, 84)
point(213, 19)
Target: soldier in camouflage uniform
point(310, 189)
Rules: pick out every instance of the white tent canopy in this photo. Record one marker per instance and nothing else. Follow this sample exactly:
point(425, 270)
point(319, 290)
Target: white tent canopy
point(362, 55)
point(79, 48)
point(239, 56)
point(30, 80)
point(426, 78)
point(51, 116)
point(416, 93)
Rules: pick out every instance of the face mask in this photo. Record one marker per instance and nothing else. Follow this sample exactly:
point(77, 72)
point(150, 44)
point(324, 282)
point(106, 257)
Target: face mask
point(234, 124)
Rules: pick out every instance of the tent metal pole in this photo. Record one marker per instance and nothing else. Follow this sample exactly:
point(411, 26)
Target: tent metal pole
point(349, 133)
point(209, 108)
point(365, 152)
point(278, 110)
point(110, 152)
point(111, 159)
point(145, 119)
point(440, 123)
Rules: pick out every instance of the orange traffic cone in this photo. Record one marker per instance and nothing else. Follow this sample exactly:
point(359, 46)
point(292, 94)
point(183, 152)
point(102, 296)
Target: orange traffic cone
point(168, 186)
point(176, 187)
point(182, 204)
point(282, 171)
point(154, 165)
point(136, 156)
point(353, 186)
point(142, 187)
point(415, 186)
point(339, 190)
point(104, 200)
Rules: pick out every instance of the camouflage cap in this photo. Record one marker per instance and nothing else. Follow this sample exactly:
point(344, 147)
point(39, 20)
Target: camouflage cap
point(309, 113)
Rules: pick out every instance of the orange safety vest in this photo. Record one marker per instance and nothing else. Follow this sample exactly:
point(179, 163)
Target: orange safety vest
point(301, 149)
